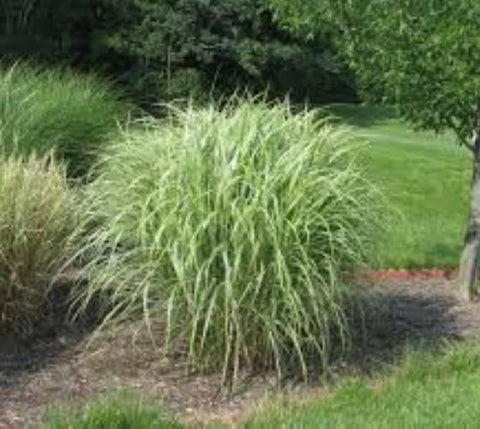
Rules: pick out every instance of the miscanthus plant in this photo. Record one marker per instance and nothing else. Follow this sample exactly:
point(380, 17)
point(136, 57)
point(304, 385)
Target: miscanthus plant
point(231, 228)
point(38, 219)
point(51, 109)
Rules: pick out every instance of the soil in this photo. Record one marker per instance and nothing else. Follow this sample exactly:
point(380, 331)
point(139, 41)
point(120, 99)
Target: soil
point(57, 367)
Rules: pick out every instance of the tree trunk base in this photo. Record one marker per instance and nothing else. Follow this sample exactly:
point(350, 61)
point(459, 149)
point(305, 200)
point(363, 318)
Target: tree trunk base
point(468, 273)
point(467, 276)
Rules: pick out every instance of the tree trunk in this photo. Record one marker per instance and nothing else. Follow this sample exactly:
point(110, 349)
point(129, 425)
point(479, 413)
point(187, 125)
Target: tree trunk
point(468, 272)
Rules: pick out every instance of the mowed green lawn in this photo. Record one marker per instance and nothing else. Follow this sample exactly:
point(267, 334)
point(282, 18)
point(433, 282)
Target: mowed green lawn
point(426, 179)
point(425, 392)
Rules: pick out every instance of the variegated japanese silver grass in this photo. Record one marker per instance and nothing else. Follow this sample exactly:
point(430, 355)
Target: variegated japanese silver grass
point(231, 226)
point(38, 223)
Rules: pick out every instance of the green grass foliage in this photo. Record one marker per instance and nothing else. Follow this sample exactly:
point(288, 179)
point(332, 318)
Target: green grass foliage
point(117, 411)
point(231, 227)
point(38, 218)
point(428, 390)
point(44, 110)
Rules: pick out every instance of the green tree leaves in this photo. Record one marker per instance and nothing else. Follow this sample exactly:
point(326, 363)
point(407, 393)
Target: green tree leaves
point(421, 55)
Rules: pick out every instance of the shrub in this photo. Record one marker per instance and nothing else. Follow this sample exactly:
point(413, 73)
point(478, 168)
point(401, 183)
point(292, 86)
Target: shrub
point(38, 217)
point(231, 227)
point(119, 411)
point(42, 110)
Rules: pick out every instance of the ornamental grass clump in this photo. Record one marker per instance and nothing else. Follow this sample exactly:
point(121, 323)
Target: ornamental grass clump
point(38, 220)
point(53, 109)
point(231, 228)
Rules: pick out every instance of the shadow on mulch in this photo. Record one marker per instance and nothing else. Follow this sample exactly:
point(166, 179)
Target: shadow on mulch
point(413, 314)
point(396, 314)
point(23, 353)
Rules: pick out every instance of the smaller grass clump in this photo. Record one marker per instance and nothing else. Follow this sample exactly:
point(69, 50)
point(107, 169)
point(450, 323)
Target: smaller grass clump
point(231, 227)
point(38, 218)
point(52, 109)
point(118, 411)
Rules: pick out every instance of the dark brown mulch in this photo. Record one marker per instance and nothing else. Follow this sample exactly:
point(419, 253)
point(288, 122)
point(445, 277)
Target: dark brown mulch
point(415, 311)
point(55, 366)
point(61, 369)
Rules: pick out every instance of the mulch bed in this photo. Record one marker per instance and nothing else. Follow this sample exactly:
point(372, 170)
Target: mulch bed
point(406, 307)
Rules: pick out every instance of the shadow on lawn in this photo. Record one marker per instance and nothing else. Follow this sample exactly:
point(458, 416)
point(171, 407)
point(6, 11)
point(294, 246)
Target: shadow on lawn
point(362, 115)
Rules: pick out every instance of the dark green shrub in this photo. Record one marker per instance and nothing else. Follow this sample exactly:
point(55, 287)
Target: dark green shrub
point(149, 46)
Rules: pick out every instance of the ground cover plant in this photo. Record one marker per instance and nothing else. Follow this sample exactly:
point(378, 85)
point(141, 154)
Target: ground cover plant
point(232, 226)
point(426, 180)
point(51, 109)
point(38, 218)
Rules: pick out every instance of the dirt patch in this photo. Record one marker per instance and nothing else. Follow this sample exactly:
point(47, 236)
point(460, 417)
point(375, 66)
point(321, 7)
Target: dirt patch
point(56, 367)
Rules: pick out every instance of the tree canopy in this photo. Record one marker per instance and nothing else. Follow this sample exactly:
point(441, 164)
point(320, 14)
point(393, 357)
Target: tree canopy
point(421, 55)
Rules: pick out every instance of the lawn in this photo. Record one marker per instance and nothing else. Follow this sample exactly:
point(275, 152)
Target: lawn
point(426, 178)
point(425, 391)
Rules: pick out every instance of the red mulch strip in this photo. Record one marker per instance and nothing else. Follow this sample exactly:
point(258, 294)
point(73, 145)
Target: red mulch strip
point(402, 274)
